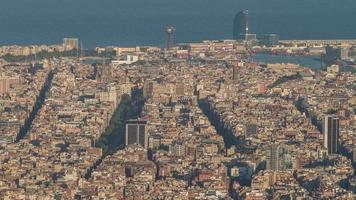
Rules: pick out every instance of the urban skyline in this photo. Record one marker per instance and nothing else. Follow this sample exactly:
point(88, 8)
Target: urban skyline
point(183, 120)
point(194, 23)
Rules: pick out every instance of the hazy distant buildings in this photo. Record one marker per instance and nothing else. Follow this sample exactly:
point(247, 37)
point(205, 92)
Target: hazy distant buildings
point(250, 39)
point(126, 60)
point(136, 133)
point(269, 39)
point(70, 43)
point(331, 134)
point(240, 25)
point(241, 31)
point(121, 50)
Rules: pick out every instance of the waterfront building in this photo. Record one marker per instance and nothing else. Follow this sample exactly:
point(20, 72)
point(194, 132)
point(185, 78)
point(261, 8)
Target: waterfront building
point(331, 134)
point(332, 55)
point(70, 43)
point(269, 39)
point(240, 25)
point(121, 50)
point(250, 39)
point(126, 60)
point(344, 52)
point(136, 133)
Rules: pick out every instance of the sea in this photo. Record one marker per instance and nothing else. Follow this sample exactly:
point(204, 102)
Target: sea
point(142, 22)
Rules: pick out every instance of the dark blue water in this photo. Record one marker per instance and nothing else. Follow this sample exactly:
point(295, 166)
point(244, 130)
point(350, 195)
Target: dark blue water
point(130, 22)
point(304, 61)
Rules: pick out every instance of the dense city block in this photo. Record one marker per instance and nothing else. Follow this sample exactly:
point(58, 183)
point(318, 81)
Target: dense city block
point(188, 121)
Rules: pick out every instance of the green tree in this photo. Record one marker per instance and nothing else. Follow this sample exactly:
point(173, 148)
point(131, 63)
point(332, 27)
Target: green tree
point(114, 136)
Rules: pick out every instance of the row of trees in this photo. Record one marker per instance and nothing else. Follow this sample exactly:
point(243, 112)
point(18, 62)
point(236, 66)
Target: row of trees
point(56, 54)
point(300, 104)
point(349, 69)
point(40, 55)
point(38, 104)
point(114, 137)
point(284, 79)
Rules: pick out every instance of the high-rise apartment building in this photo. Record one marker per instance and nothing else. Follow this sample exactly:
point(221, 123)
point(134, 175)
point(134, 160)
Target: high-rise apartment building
point(136, 133)
point(272, 157)
point(4, 85)
point(234, 73)
point(331, 134)
point(177, 148)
